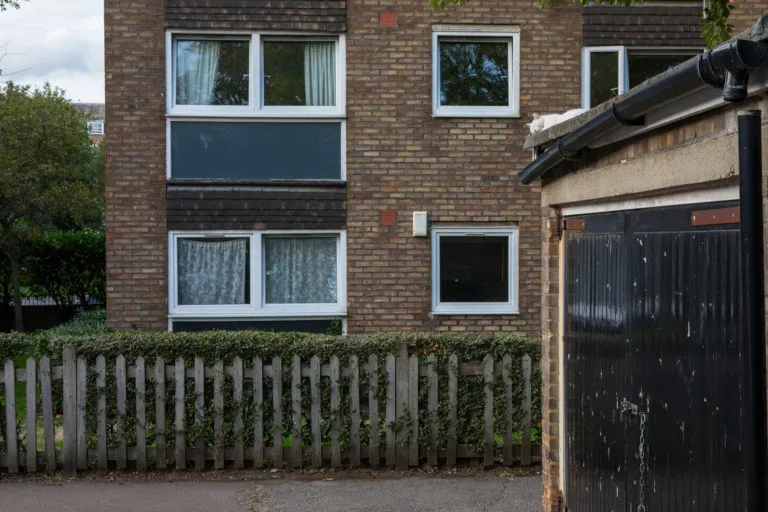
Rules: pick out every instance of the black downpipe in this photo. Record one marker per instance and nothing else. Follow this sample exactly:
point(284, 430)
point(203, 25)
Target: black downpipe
point(724, 67)
point(753, 307)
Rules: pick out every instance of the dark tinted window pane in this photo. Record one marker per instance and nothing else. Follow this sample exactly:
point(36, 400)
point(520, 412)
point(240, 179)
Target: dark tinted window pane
point(474, 73)
point(299, 73)
point(474, 269)
point(322, 326)
point(604, 77)
point(644, 66)
point(256, 151)
point(212, 72)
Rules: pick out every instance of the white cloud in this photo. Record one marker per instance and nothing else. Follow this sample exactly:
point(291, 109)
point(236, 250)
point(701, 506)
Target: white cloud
point(56, 41)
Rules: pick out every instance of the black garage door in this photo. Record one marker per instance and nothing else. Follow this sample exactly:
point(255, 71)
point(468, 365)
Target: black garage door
point(653, 391)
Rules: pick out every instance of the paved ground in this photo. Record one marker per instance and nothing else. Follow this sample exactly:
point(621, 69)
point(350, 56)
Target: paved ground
point(393, 493)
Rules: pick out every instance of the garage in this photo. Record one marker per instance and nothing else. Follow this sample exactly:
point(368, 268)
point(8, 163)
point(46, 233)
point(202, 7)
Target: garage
point(653, 319)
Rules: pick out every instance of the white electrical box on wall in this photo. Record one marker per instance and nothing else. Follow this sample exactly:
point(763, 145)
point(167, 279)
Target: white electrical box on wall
point(419, 223)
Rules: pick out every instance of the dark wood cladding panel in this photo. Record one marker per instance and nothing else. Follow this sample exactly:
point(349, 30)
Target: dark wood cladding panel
point(642, 25)
point(305, 15)
point(191, 208)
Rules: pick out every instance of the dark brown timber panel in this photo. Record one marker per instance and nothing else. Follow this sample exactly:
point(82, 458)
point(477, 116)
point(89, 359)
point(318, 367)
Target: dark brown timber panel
point(310, 15)
point(643, 25)
point(211, 208)
point(652, 318)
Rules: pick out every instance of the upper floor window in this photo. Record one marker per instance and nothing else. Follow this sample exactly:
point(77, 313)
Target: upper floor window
point(475, 72)
point(608, 71)
point(95, 127)
point(255, 75)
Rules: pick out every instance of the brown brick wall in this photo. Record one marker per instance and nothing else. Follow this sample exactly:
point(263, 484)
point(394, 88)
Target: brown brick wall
point(135, 180)
point(460, 171)
point(314, 15)
point(642, 25)
point(191, 208)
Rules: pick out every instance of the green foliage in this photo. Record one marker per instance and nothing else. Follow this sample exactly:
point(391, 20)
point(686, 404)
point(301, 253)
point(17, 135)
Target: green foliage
point(89, 321)
point(45, 155)
point(12, 4)
point(715, 27)
point(68, 264)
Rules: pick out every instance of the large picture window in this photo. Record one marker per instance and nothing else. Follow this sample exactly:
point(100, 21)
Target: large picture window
point(608, 71)
point(474, 270)
point(256, 274)
point(475, 73)
point(253, 75)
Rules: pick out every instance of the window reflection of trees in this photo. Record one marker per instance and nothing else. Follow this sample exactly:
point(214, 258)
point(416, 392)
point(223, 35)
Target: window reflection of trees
point(474, 73)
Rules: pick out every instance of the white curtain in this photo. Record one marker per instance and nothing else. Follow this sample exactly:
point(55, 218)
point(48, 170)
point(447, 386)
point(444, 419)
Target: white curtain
point(320, 74)
point(300, 270)
point(212, 271)
point(196, 67)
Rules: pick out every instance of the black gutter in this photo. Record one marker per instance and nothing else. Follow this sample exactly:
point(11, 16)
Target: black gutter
point(725, 67)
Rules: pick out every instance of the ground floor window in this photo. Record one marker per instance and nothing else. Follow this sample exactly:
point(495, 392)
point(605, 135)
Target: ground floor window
point(474, 270)
point(265, 273)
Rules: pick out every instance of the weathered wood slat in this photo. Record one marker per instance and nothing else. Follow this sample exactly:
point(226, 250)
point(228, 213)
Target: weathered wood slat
point(509, 414)
point(335, 414)
point(82, 399)
point(101, 412)
point(413, 409)
point(258, 413)
point(141, 415)
point(69, 386)
point(277, 410)
point(218, 415)
point(31, 415)
point(49, 443)
point(373, 411)
point(315, 417)
point(453, 367)
point(525, 456)
point(488, 440)
point(160, 438)
point(403, 411)
point(432, 403)
point(391, 410)
point(181, 442)
point(120, 378)
point(354, 412)
point(199, 414)
point(296, 454)
point(12, 447)
point(237, 397)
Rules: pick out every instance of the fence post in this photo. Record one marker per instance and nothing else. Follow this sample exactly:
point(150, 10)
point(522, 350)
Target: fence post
point(525, 457)
point(160, 460)
point(218, 415)
point(101, 411)
point(70, 410)
point(453, 384)
point(488, 413)
point(121, 375)
point(413, 409)
point(46, 395)
point(315, 417)
point(391, 409)
point(199, 414)
point(402, 399)
point(354, 412)
point(12, 446)
point(335, 414)
point(31, 415)
point(237, 395)
point(181, 441)
point(277, 410)
point(373, 411)
point(82, 447)
point(296, 453)
point(432, 404)
point(258, 413)
point(141, 414)
point(509, 452)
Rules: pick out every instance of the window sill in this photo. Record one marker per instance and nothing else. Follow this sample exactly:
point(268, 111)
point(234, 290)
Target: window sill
point(479, 309)
point(481, 113)
point(260, 314)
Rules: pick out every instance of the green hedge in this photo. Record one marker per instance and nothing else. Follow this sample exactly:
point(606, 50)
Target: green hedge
point(215, 345)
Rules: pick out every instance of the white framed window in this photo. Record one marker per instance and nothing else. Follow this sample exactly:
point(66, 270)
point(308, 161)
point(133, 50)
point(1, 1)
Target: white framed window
point(607, 71)
point(255, 74)
point(475, 71)
point(474, 270)
point(95, 127)
point(240, 274)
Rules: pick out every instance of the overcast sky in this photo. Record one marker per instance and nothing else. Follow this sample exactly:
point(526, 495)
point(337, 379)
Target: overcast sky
point(56, 41)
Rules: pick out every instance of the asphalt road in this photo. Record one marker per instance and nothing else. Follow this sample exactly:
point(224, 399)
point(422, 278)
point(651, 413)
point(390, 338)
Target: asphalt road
point(391, 494)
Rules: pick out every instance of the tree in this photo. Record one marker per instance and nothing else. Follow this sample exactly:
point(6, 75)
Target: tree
point(44, 155)
point(6, 4)
point(714, 27)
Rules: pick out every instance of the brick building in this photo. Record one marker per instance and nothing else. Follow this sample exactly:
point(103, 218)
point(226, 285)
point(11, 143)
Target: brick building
point(265, 162)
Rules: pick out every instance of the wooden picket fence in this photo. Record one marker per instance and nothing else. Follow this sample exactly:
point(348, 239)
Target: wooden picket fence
point(403, 373)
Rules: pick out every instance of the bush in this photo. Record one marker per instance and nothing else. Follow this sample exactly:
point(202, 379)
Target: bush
point(65, 265)
point(89, 321)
